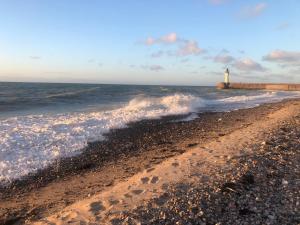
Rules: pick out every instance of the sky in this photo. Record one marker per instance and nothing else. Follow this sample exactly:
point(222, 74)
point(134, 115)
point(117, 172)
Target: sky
point(172, 42)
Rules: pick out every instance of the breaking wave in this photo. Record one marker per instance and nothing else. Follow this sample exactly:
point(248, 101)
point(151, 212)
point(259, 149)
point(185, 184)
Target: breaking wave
point(29, 143)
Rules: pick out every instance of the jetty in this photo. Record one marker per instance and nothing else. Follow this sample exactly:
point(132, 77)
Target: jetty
point(256, 86)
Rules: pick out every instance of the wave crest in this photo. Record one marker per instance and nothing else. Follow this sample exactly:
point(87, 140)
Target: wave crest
point(29, 143)
point(171, 104)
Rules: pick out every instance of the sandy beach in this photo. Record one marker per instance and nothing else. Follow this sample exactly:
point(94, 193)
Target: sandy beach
point(239, 167)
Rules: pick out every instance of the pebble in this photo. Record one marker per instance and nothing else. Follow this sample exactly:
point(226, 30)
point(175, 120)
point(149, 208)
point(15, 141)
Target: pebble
point(248, 192)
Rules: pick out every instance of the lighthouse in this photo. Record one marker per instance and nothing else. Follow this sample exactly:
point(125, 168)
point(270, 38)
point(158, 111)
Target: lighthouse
point(226, 77)
point(226, 83)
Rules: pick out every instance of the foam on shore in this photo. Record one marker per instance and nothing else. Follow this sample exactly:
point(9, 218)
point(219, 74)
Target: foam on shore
point(29, 143)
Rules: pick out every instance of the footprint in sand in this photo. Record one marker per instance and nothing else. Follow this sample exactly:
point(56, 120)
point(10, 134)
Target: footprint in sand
point(165, 186)
point(96, 207)
point(128, 195)
point(205, 178)
point(192, 145)
point(70, 216)
point(145, 180)
point(175, 164)
point(149, 170)
point(162, 199)
point(199, 163)
point(113, 202)
point(137, 192)
point(154, 180)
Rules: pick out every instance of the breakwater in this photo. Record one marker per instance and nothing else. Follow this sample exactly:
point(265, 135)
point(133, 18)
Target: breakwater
point(259, 86)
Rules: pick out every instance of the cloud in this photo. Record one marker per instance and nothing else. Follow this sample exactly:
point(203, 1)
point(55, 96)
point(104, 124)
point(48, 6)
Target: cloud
point(223, 58)
point(295, 70)
point(166, 39)
point(169, 38)
point(283, 26)
point(155, 68)
point(157, 54)
point(248, 65)
point(150, 41)
point(253, 11)
point(217, 2)
point(35, 57)
point(185, 60)
point(224, 51)
point(184, 47)
point(286, 58)
point(189, 48)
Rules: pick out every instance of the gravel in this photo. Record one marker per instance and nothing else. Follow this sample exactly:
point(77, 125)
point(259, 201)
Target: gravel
point(260, 188)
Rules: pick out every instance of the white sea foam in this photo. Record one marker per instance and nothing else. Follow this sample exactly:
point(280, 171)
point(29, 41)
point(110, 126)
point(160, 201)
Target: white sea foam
point(28, 143)
point(245, 101)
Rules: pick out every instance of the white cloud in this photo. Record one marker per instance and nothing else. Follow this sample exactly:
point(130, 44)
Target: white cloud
point(166, 39)
point(155, 68)
point(224, 51)
point(284, 57)
point(223, 58)
point(185, 60)
point(35, 57)
point(157, 54)
point(184, 47)
point(169, 38)
point(189, 48)
point(253, 11)
point(248, 65)
point(150, 41)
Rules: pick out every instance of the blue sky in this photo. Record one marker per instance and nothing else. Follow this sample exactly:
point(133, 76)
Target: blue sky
point(149, 42)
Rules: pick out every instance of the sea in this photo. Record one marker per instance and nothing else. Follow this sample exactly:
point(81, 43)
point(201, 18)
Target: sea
point(41, 122)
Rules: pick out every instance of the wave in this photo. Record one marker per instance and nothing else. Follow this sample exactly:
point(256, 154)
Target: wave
point(29, 143)
point(248, 101)
point(71, 93)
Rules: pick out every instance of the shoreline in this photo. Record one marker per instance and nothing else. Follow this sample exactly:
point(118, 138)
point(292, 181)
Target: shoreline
point(126, 152)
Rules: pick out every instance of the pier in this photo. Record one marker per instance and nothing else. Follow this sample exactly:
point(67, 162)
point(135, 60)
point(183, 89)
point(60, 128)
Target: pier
point(260, 86)
point(256, 86)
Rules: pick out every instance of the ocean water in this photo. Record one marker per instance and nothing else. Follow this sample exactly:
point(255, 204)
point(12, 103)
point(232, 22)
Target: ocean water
point(42, 122)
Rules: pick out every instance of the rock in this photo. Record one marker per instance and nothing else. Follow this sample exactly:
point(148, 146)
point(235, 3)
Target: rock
point(284, 182)
point(271, 217)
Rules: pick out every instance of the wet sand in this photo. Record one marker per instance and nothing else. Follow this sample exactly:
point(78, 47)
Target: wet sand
point(126, 152)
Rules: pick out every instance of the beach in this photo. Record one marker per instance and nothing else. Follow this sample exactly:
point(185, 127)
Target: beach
point(150, 112)
point(171, 171)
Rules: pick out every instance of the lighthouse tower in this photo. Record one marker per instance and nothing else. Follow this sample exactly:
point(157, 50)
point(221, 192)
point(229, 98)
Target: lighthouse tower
point(226, 77)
